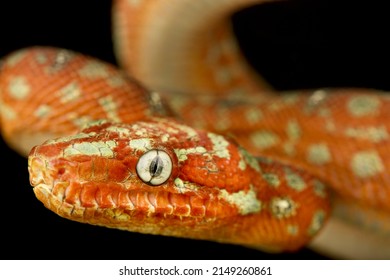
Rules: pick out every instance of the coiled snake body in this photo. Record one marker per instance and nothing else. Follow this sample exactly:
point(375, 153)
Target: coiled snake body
point(142, 171)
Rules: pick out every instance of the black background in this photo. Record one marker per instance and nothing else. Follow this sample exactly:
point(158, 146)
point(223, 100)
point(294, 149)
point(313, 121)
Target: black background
point(296, 44)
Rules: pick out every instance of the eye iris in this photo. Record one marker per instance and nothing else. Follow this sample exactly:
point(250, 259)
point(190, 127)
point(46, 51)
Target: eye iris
point(156, 166)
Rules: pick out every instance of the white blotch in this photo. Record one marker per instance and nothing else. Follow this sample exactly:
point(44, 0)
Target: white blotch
point(122, 131)
point(143, 144)
point(183, 153)
point(18, 87)
point(293, 130)
point(360, 106)
point(272, 179)
point(317, 222)
point(98, 148)
point(185, 186)
point(282, 207)
point(7, 112)
point(41, 58)
point(264, 139)
point(294, 180)
point(246, 202)
point(374, 134)
point(65, 139)
point(253, 115)
point(318, 154)
point(164, 138)
point(220, 145)
point(319, 188)
point(69, 92)
point(115, 81)
point(110, 107)
point(366, 164)
point(42, 111)
point(247, 159)
point(94, 69)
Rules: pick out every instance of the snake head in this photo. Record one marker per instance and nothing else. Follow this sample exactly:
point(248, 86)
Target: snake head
point(162, 177)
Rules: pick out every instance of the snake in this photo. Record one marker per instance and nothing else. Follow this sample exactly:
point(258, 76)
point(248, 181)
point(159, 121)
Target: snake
point(134, 153)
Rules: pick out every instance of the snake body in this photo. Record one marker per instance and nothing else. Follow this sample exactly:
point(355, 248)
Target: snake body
point(216, 190)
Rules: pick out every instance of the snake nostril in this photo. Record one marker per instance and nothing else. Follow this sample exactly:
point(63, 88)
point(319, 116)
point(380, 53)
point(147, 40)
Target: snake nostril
point(61, 171)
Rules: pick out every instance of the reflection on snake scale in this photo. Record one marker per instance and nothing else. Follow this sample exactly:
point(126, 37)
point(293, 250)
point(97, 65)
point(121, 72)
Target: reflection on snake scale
point(164, 177)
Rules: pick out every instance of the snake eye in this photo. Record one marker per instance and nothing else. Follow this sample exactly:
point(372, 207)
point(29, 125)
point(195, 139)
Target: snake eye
point(154, 167)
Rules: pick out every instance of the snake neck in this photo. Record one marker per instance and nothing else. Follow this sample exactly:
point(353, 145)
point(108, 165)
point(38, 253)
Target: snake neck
point(200, 53)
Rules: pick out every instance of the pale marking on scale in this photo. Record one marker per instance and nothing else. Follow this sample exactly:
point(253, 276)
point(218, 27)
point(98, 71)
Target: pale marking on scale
point(110, 107)
point(96, 148)
point(122, 131)
point(16, 57)
point(220, 145)
point(264, 139)
point(253, 115)
point(365, 105)
point(7, 111)
point(283, 207)
point(315, 100)
point(165, 138)
point(42, 111)
point(330, 126)
point(143, 144)
point(93, 70)
point(372, 133)
point(248, 159)
point(245, 201)
point(294, 180)
point(18, 87)
point(292, 229)
point(289, 148)
point(69, 93)
point(272, 179)
point(80, 122)
point(318, 154)
point(183, 153)
point(65, 139)
point(293, 130)
point(41, 58)
point(90, 123)
point(151, 207)
point(317, 221)
point(365, 164)
point(290, 98)
point(141, 132)
point(185, 186)
point(191, 133)
point(319, 188)
point(115, 81)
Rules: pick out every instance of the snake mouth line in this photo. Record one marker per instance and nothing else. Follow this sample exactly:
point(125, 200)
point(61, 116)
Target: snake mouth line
point(71, 198)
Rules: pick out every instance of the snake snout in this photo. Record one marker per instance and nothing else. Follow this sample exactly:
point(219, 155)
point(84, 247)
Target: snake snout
point(36, 169)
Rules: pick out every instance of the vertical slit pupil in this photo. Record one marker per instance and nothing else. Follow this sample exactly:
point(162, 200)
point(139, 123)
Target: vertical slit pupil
point(156, 166)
